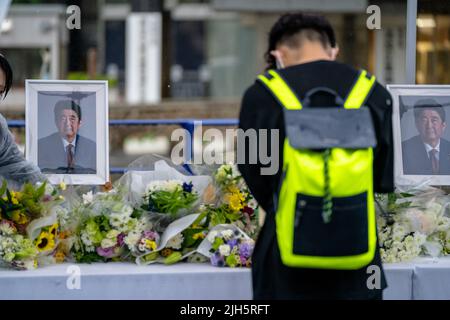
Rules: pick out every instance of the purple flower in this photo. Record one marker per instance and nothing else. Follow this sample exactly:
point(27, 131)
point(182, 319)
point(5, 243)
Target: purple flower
point(246, 250)
point(217, 260)
point(232, 243)
point(187, 187)
point(107, 253)
point(120, 238)
point(151, 235)
point(243, 260)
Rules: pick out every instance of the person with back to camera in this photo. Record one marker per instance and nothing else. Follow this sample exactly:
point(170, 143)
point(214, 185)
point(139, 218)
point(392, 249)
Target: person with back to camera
point(301, 56)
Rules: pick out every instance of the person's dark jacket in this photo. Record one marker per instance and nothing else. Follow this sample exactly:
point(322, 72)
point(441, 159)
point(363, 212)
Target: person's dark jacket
point(417, 161)
point(52, 157)
point(260, 110)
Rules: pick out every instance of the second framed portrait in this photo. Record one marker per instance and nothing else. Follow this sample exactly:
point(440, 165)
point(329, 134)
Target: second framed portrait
point(421, 118)
point(67, 130)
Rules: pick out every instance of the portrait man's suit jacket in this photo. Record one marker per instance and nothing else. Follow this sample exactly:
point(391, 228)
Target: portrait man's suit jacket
point(52, 157)
point(417, 161)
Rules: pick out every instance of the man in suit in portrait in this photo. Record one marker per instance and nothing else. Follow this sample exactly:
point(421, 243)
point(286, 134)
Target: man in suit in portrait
point(65, 151)
point(427, 153)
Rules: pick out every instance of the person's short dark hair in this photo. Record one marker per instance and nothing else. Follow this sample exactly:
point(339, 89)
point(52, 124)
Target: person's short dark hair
point(6, 68)
point(312, 26)
point(67, 105)
point(428, 104)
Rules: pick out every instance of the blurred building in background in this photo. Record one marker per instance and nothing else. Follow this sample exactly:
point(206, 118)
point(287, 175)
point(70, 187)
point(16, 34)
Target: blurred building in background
point(195, 58)
point(209, 49)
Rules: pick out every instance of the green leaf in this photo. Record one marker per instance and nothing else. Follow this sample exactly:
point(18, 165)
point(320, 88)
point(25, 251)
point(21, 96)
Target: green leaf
point(3, 188)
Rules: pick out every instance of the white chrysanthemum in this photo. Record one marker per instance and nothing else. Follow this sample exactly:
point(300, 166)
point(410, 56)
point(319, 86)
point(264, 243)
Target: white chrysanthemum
point(89, 248)
point(88, 198)
point(127, 210)
point(235, 171)
point(443, 224)
point(118, 220)
point(175, 242)
point(227, 234)
point(212, 236)
point(132, 239)
point(224, 250)
point(86, 239)
point(108, 243)
point(6, 229)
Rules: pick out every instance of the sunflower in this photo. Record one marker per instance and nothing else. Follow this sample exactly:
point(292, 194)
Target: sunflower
point(45, 241)
point(53, 228)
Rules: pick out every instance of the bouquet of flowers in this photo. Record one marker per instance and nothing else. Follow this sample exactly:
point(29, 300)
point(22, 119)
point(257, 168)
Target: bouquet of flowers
point(29, 228)
point(235, 204)
point(110, 229)
point(416, 223)
point(16, 250)
point(227, 245)
point(169, 196)
point(179, 240)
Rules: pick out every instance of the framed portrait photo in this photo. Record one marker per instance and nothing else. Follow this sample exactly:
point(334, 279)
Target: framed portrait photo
point(421, 124)
point(67, 130)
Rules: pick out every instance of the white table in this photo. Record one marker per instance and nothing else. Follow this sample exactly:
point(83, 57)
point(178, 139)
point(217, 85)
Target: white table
point(159, 282)
point(127, 281)
point(432, 279)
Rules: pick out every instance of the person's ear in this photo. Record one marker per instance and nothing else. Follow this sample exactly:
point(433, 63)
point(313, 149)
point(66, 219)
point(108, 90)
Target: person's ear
point(278, 55)
point(334, 52)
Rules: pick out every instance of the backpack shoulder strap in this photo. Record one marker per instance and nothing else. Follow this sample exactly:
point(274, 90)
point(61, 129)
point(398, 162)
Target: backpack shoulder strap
point(280, 90)
point(360, 91)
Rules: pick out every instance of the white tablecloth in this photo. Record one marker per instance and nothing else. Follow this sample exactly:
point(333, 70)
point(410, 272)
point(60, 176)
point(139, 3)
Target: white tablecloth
point(425, 278)
point(127, 281)
point(432, 279)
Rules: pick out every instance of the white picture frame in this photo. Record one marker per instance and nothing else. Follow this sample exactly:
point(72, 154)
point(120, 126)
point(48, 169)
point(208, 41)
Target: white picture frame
point(412, 161)
point(47, 101)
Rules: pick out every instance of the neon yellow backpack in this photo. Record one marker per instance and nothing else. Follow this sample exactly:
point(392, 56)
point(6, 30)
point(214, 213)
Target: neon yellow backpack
point(325, 215)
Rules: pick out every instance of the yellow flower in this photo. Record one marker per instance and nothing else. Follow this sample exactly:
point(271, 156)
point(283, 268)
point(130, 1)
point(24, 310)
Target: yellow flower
point(59, 257)
point(199, 235)
point(61, 197)
point(62, 186)
point(150, 244)
point(19, 217)
point(53, 228)
point(45, 241)
point(235, 200)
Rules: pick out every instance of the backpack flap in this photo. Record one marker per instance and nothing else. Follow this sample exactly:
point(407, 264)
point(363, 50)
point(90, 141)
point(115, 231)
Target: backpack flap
point(330, 127)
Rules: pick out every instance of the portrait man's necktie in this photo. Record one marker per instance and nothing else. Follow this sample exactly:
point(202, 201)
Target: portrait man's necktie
point(434, 161)
point(70, 160)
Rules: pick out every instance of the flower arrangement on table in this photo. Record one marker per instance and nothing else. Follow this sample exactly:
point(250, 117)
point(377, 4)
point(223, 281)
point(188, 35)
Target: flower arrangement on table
point(235, 203)
point(414, 224)
point(29, 228)
point(169, 197)
point(111, 230)
point(228, 246)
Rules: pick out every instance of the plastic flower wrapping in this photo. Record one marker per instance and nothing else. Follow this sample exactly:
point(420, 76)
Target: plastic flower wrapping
point(156, 212)
point(413, 222)
point(228, 246)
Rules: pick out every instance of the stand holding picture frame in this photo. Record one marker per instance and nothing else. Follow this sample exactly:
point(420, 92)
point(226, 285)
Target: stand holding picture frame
point(421, 119)
point(67, 130)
